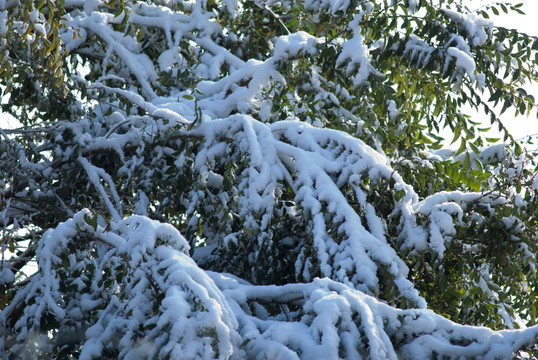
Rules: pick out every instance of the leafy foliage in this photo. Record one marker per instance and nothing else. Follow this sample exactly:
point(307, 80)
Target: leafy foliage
point(213, 179)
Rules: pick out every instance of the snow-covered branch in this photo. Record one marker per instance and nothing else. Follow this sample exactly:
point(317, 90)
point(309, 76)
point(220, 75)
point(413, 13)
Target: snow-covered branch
point(225, 180)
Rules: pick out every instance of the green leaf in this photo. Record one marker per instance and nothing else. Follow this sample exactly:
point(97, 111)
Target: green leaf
point(518, 151)
point(309, 26)
point(474, 148)
point(506, 105)
point(457, 134)
point(462, 148)
point(478, 164)
point(467, 161)
point(495, 96)
point(91, 220)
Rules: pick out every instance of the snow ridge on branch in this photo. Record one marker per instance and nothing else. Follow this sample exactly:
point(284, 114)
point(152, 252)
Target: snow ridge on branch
point(243, 203)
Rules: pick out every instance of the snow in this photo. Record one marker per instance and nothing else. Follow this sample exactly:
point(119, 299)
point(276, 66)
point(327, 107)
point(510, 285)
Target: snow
point(166, 304)
point(477, 28)
point(519, 201)
point(138, 235)
point(289, 46)
point(463, 61)
point(535, 183)
point(90, 6)
point(40, 29)
point(418, 50)
point(137, 64)
point(142, 204)
point(95, 174)
point(170, 58)
point(335, 315)
point(356, 54)
point(3, 20)
point(413, 5)
point(393, 111)
point(6, 275)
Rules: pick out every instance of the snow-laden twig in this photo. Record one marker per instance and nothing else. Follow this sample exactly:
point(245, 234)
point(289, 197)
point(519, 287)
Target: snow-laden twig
point(95, 174)
point(176, 309)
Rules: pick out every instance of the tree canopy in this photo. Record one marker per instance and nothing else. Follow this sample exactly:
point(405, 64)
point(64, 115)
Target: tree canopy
point(265, 180)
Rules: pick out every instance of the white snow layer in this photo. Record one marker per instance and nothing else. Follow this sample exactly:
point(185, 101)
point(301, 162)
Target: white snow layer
point(334, 317)
point(463, 61)
point(209, 315)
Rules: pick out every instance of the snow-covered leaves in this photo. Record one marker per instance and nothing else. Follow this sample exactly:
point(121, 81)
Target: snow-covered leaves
point(130, 292)
point(294, 145)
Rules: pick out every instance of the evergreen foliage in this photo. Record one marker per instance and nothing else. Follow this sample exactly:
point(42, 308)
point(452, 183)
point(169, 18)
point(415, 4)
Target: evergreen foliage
point(265, 179)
